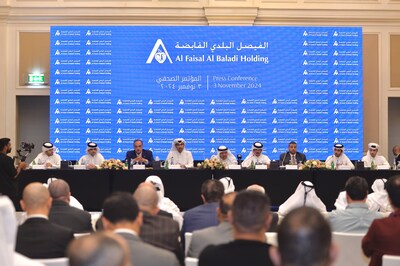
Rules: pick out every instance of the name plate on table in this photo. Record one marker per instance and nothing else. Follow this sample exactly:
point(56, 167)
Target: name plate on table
point(291, 167)
point(383, 167)
point(175, 166)
point(261, 167)
point(138, 167)
point(234, 167)
point(80, 167)
point(343, 167)
point(38, 167)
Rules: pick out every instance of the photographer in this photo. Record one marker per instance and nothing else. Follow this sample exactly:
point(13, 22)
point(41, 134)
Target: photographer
point(8, 173)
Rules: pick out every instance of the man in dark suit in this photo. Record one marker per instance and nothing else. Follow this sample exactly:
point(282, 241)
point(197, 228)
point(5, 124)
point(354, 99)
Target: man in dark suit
point(204, 215)
point(162, 232)
point(383, 234)
point(139, 155)
point(250, 217)
point(292, 156)
point(37, 237)
point(62, 214)
point(214, 235)
point(121, 214)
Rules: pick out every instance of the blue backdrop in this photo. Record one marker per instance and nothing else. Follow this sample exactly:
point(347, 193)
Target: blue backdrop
point(210, 85)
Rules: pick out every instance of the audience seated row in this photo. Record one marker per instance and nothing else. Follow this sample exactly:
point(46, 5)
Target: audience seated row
point(242, 220)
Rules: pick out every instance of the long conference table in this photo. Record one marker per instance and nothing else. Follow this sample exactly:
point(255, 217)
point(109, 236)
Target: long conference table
point(91, 187)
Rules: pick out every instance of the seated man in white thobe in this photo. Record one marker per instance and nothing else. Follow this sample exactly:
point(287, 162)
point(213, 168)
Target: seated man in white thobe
point(93, 157)
point(178, 154)
point(225, 156)
point(339, 159)
point(373, 159)
point(256, 157)
point(47, 157)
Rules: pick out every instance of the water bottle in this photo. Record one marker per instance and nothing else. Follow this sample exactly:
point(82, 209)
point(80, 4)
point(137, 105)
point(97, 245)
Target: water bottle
point(372, 165)
point(166, 166)
point(332, 165)
point(252, 165)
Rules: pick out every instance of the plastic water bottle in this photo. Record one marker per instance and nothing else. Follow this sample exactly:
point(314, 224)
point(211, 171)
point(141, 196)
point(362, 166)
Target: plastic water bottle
point(332, 165)
point(166, 166)
point(252, 165)
point(372, 165)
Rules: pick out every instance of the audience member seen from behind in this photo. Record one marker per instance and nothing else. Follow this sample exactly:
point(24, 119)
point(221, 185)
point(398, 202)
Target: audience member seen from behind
point(62, 213)
point(99, 249)
point(157, 230)
point(357, 217)
point(9, 173)
point(378, 200)
point(214, 235)
point(37, 237)
point(122, 216)
point(304, 239)
point(383, 234)
point(275, 217)
point(204, 215)
point(164, 203)
point(250, 217)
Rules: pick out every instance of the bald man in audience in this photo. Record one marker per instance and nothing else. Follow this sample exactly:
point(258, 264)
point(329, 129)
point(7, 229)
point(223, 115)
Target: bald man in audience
point(121, 215)
point(214, 235)
point(37, 237)
point(97, 249)
point(250, 217)
point(62, 213)
point(157, 230)
point(304, 239)
point(275, 217)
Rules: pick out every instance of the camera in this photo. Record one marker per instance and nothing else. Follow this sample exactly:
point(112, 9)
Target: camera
point(24, 150)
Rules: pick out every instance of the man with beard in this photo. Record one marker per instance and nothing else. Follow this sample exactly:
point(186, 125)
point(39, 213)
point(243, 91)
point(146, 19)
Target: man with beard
point(9, 173)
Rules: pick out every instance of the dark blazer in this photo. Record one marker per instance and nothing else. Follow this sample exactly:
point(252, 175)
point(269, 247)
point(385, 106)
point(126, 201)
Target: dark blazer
point(199, 217)
point(382, 238)
point(148, 155)
point(75, 219)
point(38, 238)
point(238, 252)
point(162, 232)
point(285, 158)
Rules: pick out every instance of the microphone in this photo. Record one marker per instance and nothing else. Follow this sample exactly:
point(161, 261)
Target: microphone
point(284, 157)
point(239, 158)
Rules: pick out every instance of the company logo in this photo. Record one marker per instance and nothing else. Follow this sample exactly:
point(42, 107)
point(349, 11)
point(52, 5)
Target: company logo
point(159, 53)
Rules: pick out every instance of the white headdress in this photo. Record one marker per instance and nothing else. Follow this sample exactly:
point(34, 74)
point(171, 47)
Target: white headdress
point(92, 145)
point(303, 196)
point(229, 186)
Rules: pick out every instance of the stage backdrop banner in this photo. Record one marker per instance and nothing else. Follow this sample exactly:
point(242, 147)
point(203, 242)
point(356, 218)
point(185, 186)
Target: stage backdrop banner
point(209, 85)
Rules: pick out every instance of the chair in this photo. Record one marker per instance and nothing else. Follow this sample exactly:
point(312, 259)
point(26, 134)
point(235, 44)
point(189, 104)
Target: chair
point(54, 262)
point(188, 239)
point(389, 260)
point(350, 252)
point(272, 238)
point(191, 261)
